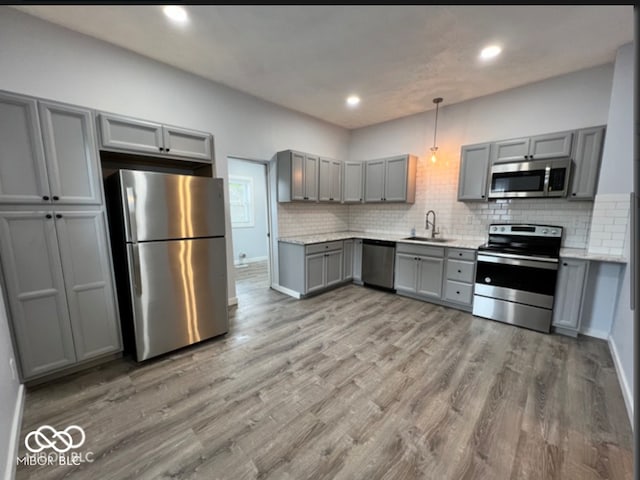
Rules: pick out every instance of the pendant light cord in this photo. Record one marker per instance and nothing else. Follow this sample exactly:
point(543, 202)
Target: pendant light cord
point(437, 101)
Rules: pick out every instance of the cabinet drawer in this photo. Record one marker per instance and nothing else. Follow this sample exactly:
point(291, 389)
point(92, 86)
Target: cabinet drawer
point(462, 254)
point(460, 270)
point(323, 247)
point(458, 292)
point(425, 250)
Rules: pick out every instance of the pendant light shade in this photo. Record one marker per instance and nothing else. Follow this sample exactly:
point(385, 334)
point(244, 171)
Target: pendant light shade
point(434, 149)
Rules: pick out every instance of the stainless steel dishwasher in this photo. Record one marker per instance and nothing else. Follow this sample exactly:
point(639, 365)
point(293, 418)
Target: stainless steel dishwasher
point(378, 263)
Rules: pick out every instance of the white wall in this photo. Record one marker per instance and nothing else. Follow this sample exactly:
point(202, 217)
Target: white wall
point(616, 177)
point(42, 59)
point(11, 395)
point(252, 241)
point(579, 99)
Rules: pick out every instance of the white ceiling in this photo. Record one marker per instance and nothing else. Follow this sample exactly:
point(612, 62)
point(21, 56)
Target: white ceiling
point(397, 58)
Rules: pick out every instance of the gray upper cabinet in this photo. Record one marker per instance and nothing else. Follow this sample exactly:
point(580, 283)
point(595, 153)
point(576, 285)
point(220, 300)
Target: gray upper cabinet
point(71, 154)
point(474, 165)
point(353, 180)
point(297, 176)
point(330, 180)
point(36, 291)
point(510, 150)
point(88, 280)
point(391, 179)
point(127, 134)
point(552, 145)
point(587, 159)
point(23, 173)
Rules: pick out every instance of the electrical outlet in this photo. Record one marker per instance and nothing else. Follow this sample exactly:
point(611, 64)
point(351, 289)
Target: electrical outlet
point(12, 366)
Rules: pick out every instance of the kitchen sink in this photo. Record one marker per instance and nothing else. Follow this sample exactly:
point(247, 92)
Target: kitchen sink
point(428, 239)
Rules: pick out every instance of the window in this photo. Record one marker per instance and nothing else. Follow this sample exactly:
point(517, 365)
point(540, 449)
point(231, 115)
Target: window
point(241, 201)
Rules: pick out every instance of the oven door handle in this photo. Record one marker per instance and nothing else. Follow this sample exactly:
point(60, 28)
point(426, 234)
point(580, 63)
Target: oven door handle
point(506, 259)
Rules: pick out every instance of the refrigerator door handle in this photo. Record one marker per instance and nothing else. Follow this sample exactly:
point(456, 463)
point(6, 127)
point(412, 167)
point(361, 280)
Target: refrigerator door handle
point(131, 214)
point(137, 279)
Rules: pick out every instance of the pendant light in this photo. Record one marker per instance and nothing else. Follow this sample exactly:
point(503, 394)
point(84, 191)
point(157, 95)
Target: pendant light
point(434, 149)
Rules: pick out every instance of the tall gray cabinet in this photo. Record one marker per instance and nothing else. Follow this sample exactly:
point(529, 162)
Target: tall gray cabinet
point(54, 248)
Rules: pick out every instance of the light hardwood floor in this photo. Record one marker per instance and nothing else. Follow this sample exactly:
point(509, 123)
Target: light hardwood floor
point(351, 384)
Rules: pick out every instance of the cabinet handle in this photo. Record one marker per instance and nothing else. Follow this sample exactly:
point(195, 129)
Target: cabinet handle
point(573, 194)
point(45, 197)
point(565, 264)
point(55, 197)
point(457, 292)
point(482, 196)
point(58, 215)
point(459, 271)
point(459, 254)
point(306, 198)
point(48, 215)
point(161, 149)
point(166, 149)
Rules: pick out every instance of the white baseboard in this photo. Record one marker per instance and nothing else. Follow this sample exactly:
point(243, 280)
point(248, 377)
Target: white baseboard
point(249, 260)
point(232, 301)
point(627, 394)
point(12, 451)
point(286, 291)
point(592, 332)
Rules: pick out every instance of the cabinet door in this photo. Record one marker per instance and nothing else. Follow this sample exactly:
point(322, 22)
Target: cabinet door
point(311, 178)
point(406, 272)
point(129, 134)
point(333, 265)
point(71, 153)
point(336, 181)
point(324, 190)
point(374, 181)
point(510, 150)
point(314, 272)
point(567, 306)
point(553, 145)
point(395, 184)
point(180, 142)
point(586, 168)
point(23, 174)
point(474, 166)
point(430, 271)
point(297, 176)
point(347, 269)
point(82, 238)
point(352, 182)
point(357, 259)
point(35, 288)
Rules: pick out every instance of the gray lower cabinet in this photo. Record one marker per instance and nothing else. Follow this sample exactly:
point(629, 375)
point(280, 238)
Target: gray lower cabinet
point(357, 260)
point(474, 167)
point(460, 276)
point(126, 134)
point(353, 180)
point(330, 180)
point(315, 272)
point(419, 270)
point(586, 163)
point(347, 269)
point(48, 153)
point(567, 308)
point(307, 269)
point(60, 287)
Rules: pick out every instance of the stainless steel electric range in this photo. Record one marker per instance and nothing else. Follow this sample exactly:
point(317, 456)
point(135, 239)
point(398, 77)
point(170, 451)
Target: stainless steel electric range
point(516, 275)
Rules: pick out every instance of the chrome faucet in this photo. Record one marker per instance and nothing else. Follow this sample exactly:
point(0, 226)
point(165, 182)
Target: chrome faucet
point(432, 223)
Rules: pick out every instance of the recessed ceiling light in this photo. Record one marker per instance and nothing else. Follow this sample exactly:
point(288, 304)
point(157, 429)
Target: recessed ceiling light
point(353, 100)
point(175, 13)
point(490, 52)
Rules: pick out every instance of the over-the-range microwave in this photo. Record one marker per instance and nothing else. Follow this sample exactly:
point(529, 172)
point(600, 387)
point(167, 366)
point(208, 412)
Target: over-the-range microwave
point(535, 178)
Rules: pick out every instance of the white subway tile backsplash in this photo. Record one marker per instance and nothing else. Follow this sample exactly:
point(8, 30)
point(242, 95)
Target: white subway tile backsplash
point(609, 224)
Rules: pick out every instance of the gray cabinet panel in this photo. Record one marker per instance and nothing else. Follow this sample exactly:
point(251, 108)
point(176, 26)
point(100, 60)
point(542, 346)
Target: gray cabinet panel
point(23, 174)
point(374, 181)
point(180, 142)
point(89, 284)
point(406, 272)
point(314, 272)
point(429, 280)
point(311, 177)
point(587, 159)
point(474, 167)
point(336, 181)
point(458, 292)
point(347, 269)
point(510, 150)
point(357, 259)
point(567, 308)
point(297, 176)
point(396, 179)
point(553, 145)
point(124, 133)
point(71, 154)
point(324, 190)
point(36, 295)
point(333, 267)
point(353, 180)
point(460, 271)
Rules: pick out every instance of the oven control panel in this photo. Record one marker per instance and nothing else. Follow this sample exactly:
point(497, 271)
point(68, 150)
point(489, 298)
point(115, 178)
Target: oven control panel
point(526, 230)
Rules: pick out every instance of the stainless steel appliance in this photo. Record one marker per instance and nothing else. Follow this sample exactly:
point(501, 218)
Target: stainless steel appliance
point(378, 263)
point(535, 178)
point(516, 275)
point(168, 241)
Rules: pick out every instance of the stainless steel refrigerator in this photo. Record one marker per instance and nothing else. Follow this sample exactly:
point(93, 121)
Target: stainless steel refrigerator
point(168, 242)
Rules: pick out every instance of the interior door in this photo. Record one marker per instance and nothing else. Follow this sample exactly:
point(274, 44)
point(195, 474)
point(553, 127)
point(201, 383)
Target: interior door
point(179, 293)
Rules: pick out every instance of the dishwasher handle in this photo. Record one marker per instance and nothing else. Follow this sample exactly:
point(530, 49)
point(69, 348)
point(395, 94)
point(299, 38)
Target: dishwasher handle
point(382, 243)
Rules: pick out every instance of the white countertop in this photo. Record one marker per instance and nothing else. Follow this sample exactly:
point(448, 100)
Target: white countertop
point(334, 236)
point(583, 254)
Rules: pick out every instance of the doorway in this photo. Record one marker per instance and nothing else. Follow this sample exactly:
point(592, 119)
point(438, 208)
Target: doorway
point(250, 223)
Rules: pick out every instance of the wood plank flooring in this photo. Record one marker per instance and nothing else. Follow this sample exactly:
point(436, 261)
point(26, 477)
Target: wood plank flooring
point(351, 384)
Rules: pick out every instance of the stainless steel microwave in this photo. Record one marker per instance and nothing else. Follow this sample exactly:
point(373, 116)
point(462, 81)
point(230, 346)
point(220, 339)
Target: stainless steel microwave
point(536, 178)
